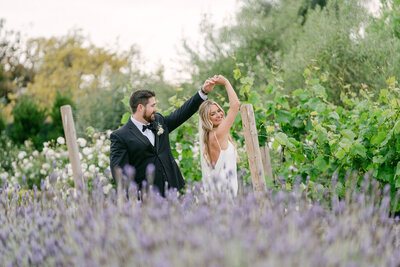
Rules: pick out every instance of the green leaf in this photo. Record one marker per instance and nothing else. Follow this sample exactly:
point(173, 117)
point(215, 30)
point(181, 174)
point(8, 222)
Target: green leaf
point(254, 98)
point(275, 145)
point(299, 157)
point(358, 149)
point(125, 117)
point(383, 95)
point(281, 138)
point(348, 134)
point(396, 128)
point(378, 159)
point(320, 163)
point(236, 74)
point(247, 80)
point(334, 115)
point(340, 153)
point(319, 90)
point(322, 137)
point(397, 173)
point(270, 89)
point(125, 101)
point(298, 122)
point(302, 94)
point(245, 89)
point(397, 184)
point(283, 116)
point(378, 138)
point(316, 104)
point(314, 81)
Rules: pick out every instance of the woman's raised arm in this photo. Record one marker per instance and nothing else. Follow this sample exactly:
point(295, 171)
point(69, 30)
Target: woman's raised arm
point(223, 129)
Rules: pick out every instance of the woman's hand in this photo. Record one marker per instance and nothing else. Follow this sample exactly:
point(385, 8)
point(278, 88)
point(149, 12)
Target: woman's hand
point(219, 79)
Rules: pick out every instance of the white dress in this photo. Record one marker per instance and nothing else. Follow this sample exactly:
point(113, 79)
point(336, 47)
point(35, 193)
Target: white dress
point(223, 177)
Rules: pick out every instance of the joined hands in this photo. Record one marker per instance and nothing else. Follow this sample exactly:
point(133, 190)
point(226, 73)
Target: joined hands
point(211, 82)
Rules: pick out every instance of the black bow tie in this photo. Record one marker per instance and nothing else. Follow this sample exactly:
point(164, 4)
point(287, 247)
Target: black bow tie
point(150, 126)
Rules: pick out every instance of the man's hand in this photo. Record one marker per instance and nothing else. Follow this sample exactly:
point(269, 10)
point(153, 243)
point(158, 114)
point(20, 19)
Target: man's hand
point(219, 79)
point(208, 85)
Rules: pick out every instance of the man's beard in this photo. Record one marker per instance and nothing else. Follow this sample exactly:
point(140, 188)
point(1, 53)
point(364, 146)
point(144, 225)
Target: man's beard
point(148, 118)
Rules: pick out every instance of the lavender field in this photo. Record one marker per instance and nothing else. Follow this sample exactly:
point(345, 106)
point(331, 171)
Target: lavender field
point(276, 228)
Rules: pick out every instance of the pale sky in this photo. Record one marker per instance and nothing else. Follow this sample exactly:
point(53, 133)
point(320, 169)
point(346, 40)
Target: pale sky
point(155, 26)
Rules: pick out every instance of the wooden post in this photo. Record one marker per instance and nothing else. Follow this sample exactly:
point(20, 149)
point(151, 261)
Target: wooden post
point(73, 151)
point(252, 147)
point(266, 161)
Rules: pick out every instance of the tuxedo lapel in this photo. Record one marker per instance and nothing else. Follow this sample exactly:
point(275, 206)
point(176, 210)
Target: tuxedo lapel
point(157, 139)
point(132, 127)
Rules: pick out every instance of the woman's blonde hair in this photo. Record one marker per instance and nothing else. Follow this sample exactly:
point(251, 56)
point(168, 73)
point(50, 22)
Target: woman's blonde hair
point(207, 125)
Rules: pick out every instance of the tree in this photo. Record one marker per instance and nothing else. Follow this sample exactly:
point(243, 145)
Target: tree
point(69, 64)
point(263, 31)
point(16, 68)
point(354, 49)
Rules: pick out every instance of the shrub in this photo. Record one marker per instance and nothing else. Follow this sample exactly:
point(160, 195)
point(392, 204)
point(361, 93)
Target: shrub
point(28, 122)
point(56, 126)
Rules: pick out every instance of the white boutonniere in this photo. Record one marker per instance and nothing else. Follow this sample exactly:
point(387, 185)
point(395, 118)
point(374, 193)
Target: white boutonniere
point(160, 129)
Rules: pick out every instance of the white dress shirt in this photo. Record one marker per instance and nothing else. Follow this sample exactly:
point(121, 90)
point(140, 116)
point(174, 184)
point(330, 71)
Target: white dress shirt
point(148, 133)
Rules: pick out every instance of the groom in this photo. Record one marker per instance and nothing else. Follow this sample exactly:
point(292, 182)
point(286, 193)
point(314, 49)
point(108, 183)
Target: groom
point(143, 141)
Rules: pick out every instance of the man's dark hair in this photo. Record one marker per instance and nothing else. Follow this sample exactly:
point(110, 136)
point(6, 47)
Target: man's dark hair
point(140, 97)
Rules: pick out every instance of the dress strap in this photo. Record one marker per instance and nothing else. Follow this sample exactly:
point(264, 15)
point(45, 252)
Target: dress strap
point(217, 141)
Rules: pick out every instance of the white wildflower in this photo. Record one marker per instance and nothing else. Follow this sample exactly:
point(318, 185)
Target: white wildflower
point(50, 152)
point(102, 163)
point(82, 142)
point(87, 150)
point(61, 140)
point(107, 188)
point(35, 153)
point(46, 166)
point(92, 168)
point(21, 154)
point(84, 166)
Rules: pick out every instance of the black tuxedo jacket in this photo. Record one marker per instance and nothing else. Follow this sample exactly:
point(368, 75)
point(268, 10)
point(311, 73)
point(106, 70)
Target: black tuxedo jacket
point(130, 146)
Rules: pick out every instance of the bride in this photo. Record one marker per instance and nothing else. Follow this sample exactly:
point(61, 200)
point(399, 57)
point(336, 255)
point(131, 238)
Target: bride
point(217, 152)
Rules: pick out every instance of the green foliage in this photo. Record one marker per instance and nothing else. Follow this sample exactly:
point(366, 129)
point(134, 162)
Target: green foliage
point(319, 139)
point(28, 122)
point(8, 152)
point(103, 109)
point(354, 49)
point(56, 125)
point(2, 123)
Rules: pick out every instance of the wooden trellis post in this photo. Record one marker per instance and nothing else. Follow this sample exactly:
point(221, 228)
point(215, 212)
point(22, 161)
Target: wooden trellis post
point(72, 145)
point(252, 147)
